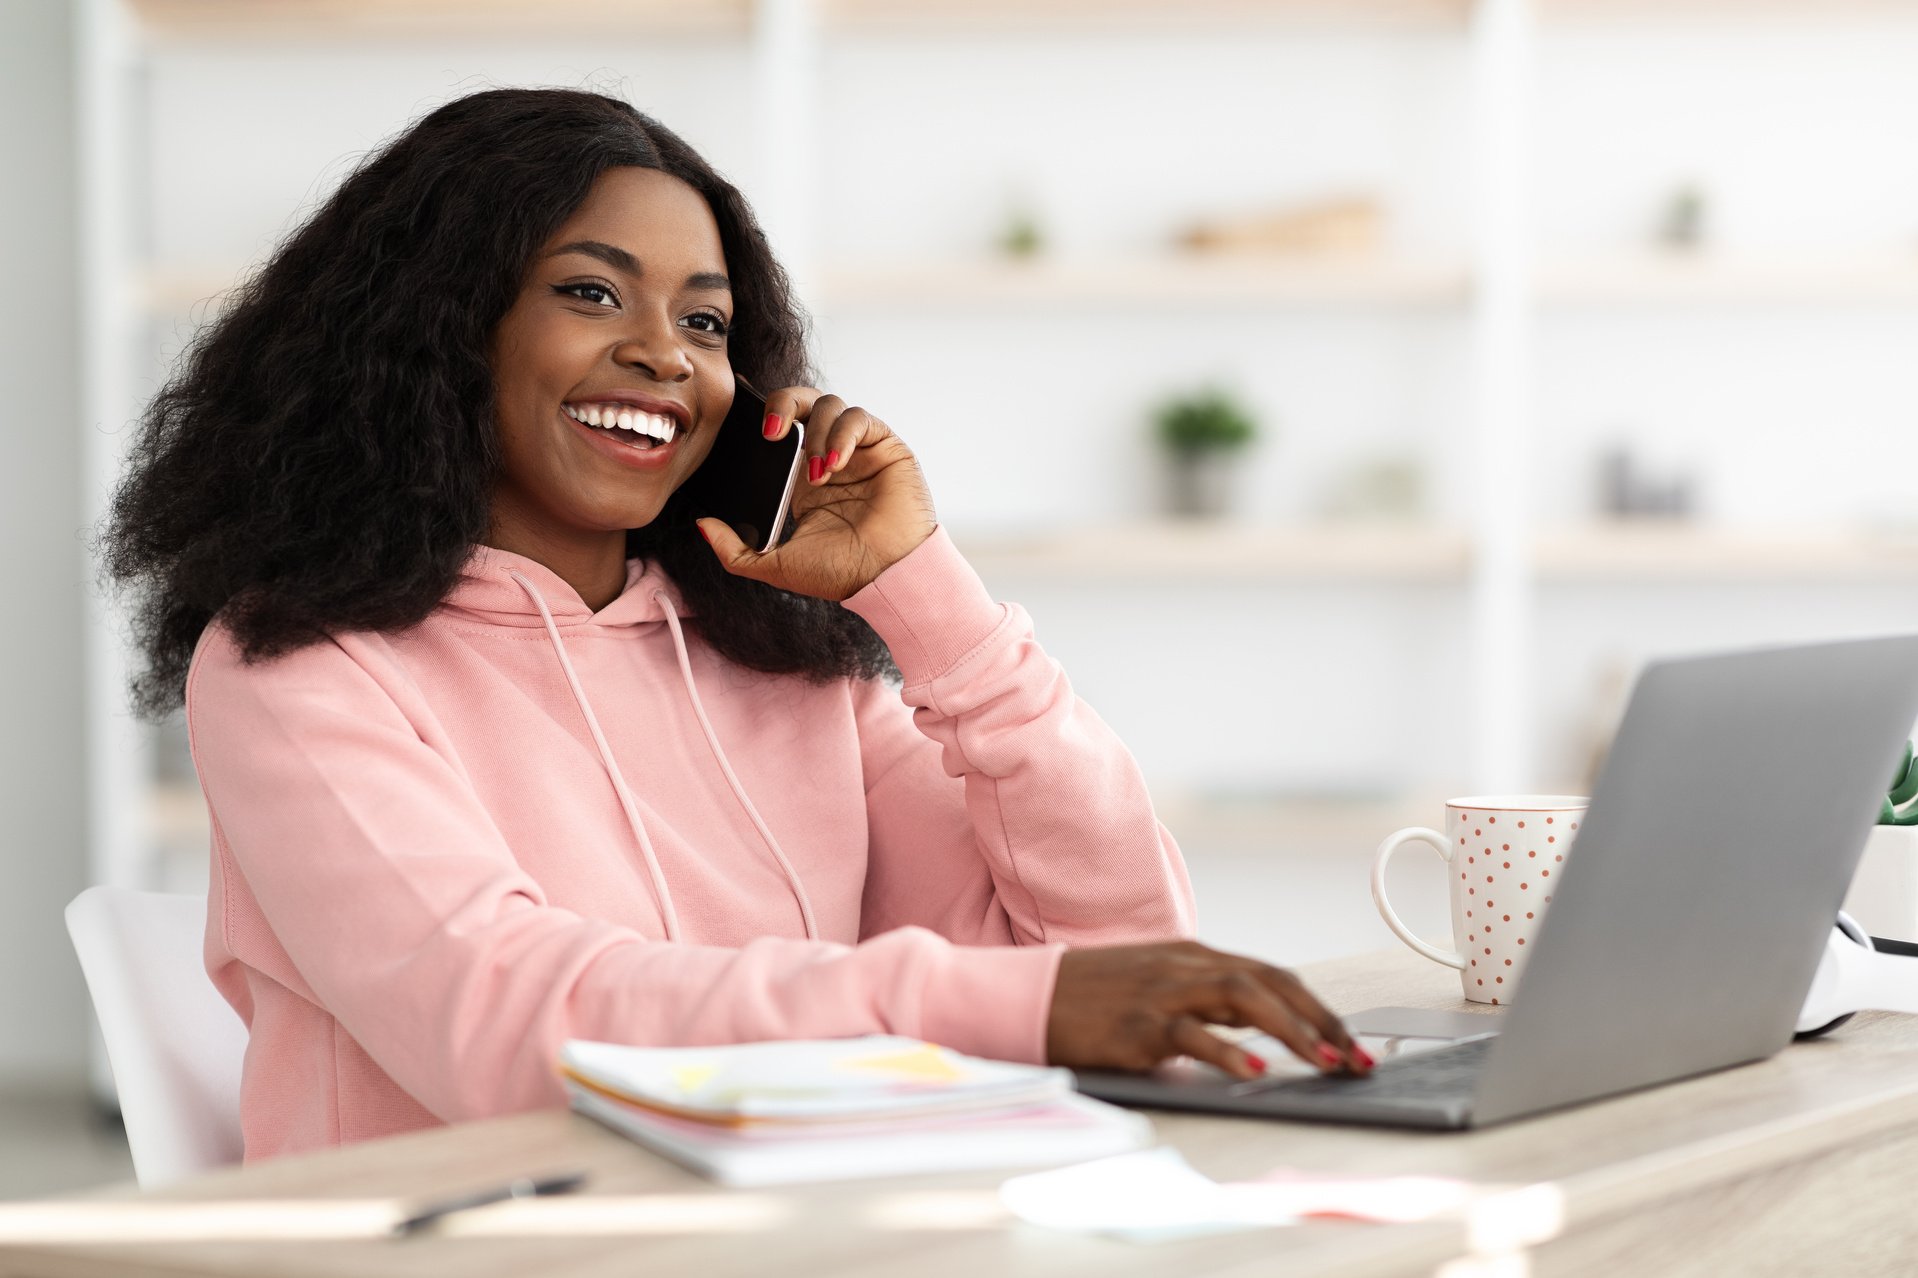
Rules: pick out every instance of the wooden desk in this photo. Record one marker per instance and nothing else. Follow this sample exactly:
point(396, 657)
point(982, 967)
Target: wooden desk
point(1799, 1164)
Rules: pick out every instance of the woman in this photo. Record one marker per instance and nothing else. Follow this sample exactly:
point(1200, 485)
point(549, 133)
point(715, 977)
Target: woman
point(498, 752)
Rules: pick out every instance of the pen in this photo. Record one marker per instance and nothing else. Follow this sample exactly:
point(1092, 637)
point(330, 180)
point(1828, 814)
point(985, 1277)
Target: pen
point(524, 1187)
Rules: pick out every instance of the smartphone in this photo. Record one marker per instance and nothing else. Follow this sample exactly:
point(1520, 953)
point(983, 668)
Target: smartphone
point(747, 480)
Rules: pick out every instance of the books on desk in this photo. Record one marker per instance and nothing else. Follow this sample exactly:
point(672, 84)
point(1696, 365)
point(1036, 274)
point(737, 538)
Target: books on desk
point(835, 1109)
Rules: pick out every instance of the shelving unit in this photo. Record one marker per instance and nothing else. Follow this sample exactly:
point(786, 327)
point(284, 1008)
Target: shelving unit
point(1491, 286)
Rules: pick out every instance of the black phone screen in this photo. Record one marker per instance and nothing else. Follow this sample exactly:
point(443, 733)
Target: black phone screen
point(747, 479)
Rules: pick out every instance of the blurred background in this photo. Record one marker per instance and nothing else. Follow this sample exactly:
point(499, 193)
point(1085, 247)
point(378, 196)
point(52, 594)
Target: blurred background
point(1355, 392)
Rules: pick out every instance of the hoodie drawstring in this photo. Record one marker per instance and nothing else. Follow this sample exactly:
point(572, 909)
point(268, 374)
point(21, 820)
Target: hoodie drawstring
point(712, 739)
point(619, 782)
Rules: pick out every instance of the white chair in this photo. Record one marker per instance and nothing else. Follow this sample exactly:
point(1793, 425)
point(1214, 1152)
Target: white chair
point(174, 1043)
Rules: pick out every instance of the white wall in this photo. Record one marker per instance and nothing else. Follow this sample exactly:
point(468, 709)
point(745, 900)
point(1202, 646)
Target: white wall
point(43, 1006)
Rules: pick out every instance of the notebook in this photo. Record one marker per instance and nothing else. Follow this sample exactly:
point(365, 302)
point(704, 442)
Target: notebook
point(785, 1112)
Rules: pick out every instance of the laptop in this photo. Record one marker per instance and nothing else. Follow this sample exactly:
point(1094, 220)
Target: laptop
point(1722, 836)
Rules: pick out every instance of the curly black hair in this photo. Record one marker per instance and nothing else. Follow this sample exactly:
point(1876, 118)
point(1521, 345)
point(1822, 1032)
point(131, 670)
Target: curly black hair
point(324, 457)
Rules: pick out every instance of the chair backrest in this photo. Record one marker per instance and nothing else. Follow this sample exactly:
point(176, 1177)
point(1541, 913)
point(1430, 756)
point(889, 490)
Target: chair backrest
point(174, 1043)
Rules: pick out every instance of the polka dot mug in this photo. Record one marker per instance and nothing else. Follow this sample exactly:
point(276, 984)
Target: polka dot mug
point(1504, 854)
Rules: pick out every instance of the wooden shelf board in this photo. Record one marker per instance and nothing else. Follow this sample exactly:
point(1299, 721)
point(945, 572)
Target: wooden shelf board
point(1157, 278)
point(1281, 281)
point(1724, 278)
point(176, 290)
point(1227, 551)
point(1719, 10)
point(165, 21)
point(1138, 281)
point(1085, 16)
point(1657, 551)
point(363, 19)
point(1647, 553)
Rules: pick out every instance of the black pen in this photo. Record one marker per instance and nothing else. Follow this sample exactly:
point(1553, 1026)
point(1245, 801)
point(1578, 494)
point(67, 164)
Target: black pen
point(524, 1187)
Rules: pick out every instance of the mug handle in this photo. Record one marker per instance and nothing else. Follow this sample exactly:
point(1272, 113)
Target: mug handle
point(1386, 849)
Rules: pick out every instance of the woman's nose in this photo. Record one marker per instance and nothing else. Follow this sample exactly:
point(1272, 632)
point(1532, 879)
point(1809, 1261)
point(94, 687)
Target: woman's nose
point(660, 354)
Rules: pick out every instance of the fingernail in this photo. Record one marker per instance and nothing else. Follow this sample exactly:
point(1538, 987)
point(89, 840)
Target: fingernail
point(816, 467)
point(772, 425)
point(832, 459)
point(1363, 1057)
point(1328, 1053)
point(1255, 1062)
point(704, 533)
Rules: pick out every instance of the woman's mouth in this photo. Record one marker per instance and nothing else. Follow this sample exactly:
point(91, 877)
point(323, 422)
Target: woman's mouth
point(628, 444)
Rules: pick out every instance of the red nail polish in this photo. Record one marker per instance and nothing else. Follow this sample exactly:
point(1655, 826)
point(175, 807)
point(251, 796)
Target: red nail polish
point(772, 425)
point(1256, 1062)
point(1328, 1053)
point(816, 467)
point(1364, 1057)
point(832, 459)
point(705, 534)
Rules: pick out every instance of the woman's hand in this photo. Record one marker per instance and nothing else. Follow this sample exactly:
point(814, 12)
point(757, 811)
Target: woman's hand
point(1131, 1006)
point(867, 509)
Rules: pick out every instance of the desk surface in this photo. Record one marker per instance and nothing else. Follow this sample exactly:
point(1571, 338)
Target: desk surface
point(1791, 1165)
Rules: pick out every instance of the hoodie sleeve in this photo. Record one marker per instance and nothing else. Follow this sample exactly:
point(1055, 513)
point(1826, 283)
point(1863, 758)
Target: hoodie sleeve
point(392, 901)
point(1001, 809)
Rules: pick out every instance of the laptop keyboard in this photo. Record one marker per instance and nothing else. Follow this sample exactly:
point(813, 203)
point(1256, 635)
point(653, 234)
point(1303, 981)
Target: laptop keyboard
point(1442, 1073)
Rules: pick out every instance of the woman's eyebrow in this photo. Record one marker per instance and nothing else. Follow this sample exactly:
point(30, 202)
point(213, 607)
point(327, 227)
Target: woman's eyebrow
point(620, 260)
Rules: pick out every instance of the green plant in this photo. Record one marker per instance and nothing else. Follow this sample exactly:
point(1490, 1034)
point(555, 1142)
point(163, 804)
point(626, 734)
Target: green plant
point(1204, 420)
point(1899, 808)
point(1021, 235)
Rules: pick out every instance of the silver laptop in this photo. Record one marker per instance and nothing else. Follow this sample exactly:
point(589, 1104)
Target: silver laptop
point(1721, 839)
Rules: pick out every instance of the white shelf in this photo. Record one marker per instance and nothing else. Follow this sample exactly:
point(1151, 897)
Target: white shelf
point(1653, 551)
point(1716, 10)
point(1158, 279)
point(441, 19)
point(1638, 553)
point(188, 21)
point(165, 22)
point(1082, 16)
point(1277, 280)
point(1717, 278)
point(1226, 551)
point(185, 21)
point(175, 290)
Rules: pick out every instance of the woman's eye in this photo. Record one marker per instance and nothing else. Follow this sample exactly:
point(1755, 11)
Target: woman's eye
point(720, 327)
point(577, 290)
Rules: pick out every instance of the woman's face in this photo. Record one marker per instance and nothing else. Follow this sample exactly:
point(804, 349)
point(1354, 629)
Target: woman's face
point(628, 298)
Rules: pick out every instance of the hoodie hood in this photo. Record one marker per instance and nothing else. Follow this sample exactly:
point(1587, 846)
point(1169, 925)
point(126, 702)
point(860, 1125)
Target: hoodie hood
point(486, 591)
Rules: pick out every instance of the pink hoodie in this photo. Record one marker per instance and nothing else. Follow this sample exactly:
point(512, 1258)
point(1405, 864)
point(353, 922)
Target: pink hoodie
point(439, 853)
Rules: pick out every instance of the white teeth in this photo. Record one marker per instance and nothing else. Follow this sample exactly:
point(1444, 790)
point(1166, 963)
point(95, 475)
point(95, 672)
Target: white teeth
point(607, 417)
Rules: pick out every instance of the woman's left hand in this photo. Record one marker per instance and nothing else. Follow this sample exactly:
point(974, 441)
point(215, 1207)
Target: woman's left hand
point(867, 510)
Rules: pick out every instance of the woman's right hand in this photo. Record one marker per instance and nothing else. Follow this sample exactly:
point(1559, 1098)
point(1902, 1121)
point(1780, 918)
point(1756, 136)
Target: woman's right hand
point(1132, 1006)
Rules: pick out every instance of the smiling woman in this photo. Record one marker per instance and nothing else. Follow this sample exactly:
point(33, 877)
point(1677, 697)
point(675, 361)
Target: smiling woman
point(498, 753)
point(268, 482)
point(638, 268)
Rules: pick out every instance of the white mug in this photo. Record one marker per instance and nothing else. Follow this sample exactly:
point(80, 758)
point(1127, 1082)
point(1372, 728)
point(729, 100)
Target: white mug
point(1504, 854)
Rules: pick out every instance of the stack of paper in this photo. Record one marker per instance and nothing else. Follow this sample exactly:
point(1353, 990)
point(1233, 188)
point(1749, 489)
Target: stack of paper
point(834, 1109)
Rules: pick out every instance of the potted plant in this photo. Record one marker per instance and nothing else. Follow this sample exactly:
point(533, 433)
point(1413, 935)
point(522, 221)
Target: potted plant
point(1884, 892)
point(1203, 433)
